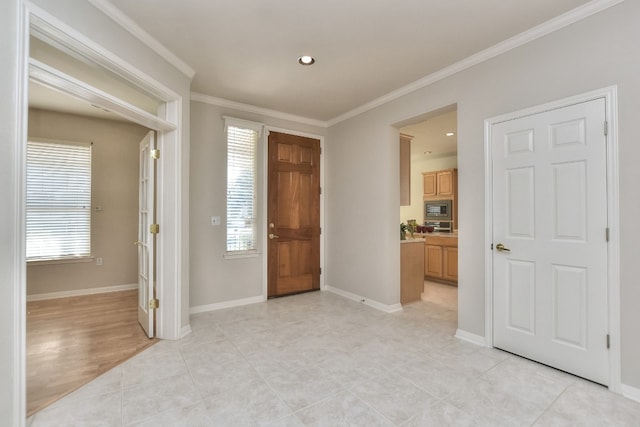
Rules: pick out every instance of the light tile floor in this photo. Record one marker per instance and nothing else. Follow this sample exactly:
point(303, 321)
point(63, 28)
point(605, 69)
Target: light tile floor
point(320, 360)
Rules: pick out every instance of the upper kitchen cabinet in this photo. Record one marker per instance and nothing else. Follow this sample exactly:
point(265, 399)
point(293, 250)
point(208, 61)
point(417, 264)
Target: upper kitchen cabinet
point(405, 169)
point(440, 184)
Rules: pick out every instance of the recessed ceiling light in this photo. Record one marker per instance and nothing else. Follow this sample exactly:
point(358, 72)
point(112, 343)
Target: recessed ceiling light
point(450, 133)
point(306, 60)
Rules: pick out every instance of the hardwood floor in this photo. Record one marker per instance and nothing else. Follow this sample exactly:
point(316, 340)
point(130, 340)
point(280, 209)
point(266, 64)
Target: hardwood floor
point(71, 341)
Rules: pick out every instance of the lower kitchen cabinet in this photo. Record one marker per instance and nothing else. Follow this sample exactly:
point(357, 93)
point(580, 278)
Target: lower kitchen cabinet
point(411, 269)
point(450, 263)
point(433, 261)
point(441, 258)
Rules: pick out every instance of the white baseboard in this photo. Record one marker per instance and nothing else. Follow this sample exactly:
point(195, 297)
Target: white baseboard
point(226, 304)
point(630, 392)
point(81, 292)
point(469, 337)
point(186, 330)
point(371, 303)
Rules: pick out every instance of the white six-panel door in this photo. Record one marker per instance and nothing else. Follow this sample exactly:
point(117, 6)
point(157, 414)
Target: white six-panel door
point(550, 215)
point(145, 243)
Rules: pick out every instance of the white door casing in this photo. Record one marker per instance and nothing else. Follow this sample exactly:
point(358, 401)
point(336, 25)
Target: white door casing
point(550, 210)
point(168, 123)
point(170, 206)
point(146, 239)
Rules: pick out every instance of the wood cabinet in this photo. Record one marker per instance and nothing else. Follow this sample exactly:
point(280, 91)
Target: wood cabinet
point(405, 169)
point(441, 258)
point(433, 261)
point(442, 185)
point(430, 188)
point(450, 263)
point(439, 184)
point(411, 270)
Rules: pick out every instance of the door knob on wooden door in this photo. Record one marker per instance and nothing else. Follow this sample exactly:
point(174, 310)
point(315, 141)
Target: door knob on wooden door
point(273, 236)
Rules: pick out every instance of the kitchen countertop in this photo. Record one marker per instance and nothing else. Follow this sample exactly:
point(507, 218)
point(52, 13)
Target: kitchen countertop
point(435, 233)
point(412, 240)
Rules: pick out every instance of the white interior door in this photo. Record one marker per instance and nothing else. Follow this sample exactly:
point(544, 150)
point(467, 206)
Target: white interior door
point(550, 215)
point(146, 241)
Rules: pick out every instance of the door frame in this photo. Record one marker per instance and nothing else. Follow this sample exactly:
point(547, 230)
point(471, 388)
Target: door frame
point(265, 200)
point(167, 123)
point(610, 95)
point(169, 210)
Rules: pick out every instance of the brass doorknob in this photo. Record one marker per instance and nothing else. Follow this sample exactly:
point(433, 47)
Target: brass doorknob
point(273, 236)
point(501, 248)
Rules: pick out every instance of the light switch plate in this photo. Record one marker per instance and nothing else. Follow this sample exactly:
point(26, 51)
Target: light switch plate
point(215, 220)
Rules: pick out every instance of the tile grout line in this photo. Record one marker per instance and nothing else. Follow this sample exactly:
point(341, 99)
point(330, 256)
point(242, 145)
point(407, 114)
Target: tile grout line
point(121, 395)
point(550, 405)
point(180, 349)
point(264, 380)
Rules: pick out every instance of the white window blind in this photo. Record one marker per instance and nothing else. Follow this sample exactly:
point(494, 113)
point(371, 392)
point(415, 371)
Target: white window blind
point(58, 200)
point(242, 145)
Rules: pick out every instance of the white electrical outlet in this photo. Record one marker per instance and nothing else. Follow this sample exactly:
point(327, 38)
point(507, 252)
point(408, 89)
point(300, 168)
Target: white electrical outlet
point(215, 220)
point(98, 261)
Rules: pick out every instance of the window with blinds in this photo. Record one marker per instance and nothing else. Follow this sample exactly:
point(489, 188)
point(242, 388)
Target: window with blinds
point(58, 200)
point(241, 188)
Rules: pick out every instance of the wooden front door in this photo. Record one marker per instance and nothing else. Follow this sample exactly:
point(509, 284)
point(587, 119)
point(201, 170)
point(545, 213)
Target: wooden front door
point(293, 214)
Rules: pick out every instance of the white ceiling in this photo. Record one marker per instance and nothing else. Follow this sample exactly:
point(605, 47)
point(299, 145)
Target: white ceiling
point(430, 138)
point(246, 51)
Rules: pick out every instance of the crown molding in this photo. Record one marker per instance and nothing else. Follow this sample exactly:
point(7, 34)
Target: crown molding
point(129, 25)
point(221, 102)
point(518, 40)
point(514, 42)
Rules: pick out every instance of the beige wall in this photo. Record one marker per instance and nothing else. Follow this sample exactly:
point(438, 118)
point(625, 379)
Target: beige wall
point(114, 188)
point(421, 163)
point(591, 54)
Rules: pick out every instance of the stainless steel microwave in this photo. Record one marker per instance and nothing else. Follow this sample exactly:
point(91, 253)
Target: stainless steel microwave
point(437, 210)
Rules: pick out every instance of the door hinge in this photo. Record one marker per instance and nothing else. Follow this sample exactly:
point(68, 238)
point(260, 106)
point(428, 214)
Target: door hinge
point(320, 270)
point(607, 233)
point(155, 154)
point(154, 303)
point(320, 190)
point(154, 228)
point(606, 128)
point(320, 230)
point(608, 341)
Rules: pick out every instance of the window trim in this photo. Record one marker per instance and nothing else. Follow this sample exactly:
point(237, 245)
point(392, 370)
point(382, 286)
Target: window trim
point(66, 260)
point(259, 129)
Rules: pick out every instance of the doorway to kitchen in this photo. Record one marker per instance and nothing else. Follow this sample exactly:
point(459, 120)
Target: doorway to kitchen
point(429, 201)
